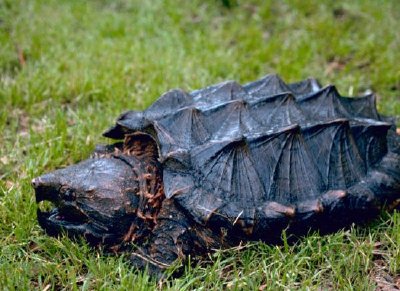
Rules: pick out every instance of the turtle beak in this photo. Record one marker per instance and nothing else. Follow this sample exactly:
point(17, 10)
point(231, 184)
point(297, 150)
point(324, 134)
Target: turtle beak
point(46, 188)
point(63, 213)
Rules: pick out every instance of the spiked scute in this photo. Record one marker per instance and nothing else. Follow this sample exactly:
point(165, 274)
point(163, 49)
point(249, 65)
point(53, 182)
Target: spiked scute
point(247, 162)
point(269, 152)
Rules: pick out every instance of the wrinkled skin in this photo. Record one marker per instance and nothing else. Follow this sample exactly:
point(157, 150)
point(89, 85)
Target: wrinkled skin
point(116, 198)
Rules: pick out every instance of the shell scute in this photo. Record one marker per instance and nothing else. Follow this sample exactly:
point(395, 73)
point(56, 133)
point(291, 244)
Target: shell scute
point(269, 154)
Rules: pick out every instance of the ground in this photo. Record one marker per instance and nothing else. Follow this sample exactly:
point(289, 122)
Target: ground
point(68, 68)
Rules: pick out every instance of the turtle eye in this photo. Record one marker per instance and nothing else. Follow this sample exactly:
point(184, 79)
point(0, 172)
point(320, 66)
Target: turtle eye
point(67, 194)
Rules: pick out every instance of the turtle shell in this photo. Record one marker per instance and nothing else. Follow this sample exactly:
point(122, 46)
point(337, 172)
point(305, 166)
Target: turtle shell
point(268, 155)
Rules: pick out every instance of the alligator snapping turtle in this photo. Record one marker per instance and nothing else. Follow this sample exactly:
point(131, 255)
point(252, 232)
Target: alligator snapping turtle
point(208, 169)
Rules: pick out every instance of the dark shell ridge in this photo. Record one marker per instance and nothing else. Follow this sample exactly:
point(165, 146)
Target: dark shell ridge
point(270, 151)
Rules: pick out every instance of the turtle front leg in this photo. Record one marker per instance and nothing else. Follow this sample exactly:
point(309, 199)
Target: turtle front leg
point(175, 237)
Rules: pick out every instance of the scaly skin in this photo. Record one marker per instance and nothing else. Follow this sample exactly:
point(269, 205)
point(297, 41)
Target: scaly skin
point(175, 237)
point(162, 231)
point(228, 163)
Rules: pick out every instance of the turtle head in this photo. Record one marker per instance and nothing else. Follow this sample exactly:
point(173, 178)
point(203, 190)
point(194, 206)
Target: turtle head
point(96, 198)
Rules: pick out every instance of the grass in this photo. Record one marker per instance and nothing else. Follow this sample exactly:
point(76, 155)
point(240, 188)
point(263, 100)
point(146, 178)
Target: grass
point(68, 68)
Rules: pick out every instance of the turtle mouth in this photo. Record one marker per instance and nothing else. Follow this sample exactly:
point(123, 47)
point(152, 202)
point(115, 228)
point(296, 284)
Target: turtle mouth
point(61, 214)
point(55, 215)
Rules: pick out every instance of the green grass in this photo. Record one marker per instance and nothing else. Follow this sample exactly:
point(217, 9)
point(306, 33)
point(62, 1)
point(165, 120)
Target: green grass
point(68, 68)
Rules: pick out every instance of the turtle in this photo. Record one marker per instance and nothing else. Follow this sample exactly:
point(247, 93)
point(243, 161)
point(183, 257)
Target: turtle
point(208, 169)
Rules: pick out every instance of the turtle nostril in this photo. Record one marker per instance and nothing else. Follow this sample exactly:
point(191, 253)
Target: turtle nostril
point(35, 183)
